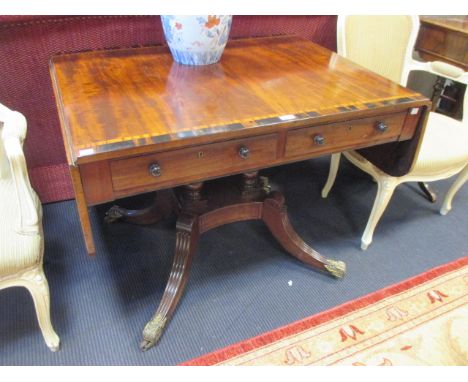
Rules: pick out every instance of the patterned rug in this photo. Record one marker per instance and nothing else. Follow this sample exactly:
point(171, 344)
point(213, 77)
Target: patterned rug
point(421, 321)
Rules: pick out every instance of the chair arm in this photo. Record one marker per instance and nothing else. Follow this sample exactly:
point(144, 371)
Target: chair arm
point(14, 123)
point(12, 137)
point(442, 69)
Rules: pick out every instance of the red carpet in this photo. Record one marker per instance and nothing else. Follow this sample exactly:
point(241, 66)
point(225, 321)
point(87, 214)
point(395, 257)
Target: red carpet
point(420, 321)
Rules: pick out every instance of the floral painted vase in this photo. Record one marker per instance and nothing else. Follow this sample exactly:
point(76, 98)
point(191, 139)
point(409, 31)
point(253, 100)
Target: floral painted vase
point(196, 40)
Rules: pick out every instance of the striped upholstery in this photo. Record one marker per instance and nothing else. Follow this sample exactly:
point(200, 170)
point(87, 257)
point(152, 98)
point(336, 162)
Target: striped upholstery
point(17, 251)
point(371, 49)
point(21, 233)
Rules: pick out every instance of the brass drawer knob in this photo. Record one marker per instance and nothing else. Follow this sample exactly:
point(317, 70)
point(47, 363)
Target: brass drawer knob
point(244, 152)
point(155, 169)
point(319, 140)
point(381, 126)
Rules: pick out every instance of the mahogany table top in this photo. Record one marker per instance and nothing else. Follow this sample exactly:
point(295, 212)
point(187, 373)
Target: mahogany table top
point(130, 99)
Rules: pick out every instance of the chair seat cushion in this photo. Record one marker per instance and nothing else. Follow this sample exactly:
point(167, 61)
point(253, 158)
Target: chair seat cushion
point(444, 147)
point(17, 251)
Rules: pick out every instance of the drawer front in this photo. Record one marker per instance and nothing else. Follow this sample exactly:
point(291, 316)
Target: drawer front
point(338, 136)
point(193, 164)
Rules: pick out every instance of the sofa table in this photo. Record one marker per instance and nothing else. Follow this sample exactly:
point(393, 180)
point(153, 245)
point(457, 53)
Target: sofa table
point(134, 121)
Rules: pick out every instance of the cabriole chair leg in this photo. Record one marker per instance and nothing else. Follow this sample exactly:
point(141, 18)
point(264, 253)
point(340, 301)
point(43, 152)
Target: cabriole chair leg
point(386, 186)
point(334, 164)
point(456, 185)
point(37, 285)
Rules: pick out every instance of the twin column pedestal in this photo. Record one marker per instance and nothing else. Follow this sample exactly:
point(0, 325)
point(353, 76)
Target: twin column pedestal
point(204, 206)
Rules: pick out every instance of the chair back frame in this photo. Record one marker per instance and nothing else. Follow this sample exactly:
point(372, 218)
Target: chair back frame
point(407, 59)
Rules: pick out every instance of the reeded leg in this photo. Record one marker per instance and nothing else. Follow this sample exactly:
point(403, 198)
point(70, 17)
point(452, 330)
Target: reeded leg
point(456, 185)
point(276, 218)
point(223, 204)
point(186, 242)
point(386, 186)
point(334, 164)
point(36, 282)
point(428, 192)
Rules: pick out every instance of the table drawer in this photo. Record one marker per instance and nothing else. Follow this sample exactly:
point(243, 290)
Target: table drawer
point(192, 164)
point(341, 135)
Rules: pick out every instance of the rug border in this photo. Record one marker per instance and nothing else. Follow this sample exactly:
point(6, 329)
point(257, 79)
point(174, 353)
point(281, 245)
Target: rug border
point(267, 338)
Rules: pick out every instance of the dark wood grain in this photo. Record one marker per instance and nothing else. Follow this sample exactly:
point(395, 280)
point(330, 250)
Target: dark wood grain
point(339, 136)
point(134, 121)
point(123, 100)
point(187, 234)
point(97, 181)
point(82, 208)
point(213, 204)
point(122, 110)
point(444, 38)
point(191, 164)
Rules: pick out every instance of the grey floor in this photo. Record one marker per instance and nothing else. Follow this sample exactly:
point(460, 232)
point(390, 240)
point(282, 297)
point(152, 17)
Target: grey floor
point(239, 285)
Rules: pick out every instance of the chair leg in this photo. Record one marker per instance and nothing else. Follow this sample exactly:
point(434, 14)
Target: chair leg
point(456, 185)
point(428, 192)
point(386, 186)
point(37, 285)
point(334, 164)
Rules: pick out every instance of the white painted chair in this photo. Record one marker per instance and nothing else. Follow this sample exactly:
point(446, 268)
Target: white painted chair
point(21, 235)
point(384, 44)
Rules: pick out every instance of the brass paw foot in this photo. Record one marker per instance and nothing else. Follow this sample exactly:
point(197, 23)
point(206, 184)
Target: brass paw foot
point(264, 181)
point(113, 214)
point(152, 332)
point(335, 268)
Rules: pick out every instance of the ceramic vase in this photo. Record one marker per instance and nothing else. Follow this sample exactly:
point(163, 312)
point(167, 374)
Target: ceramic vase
point(196, 40)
